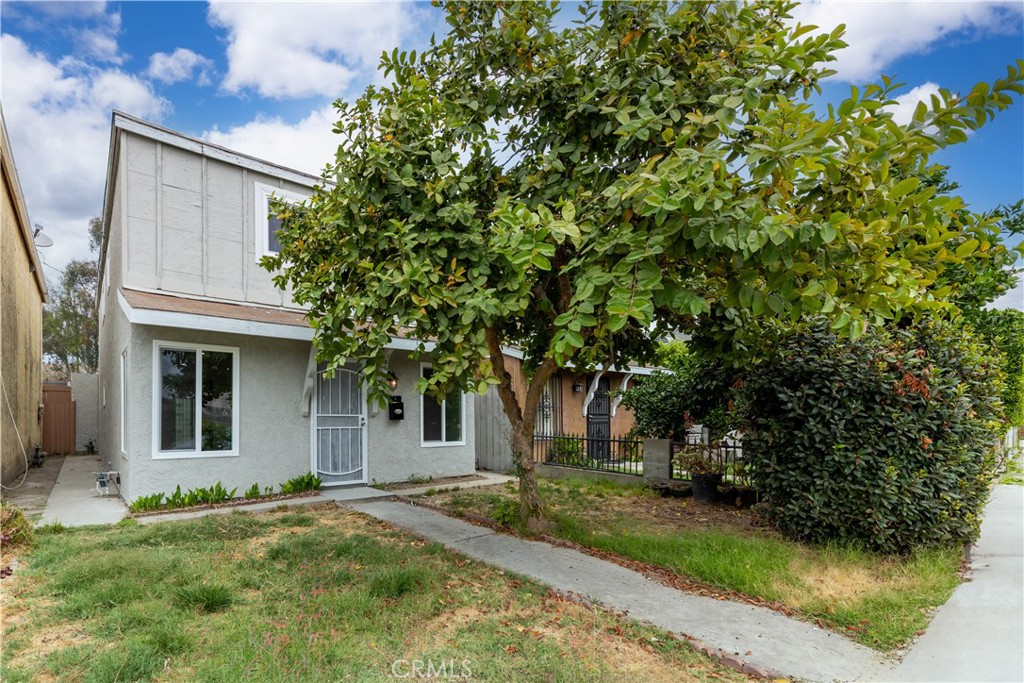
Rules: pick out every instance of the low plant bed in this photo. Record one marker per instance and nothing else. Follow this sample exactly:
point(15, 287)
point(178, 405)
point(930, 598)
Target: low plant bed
point(721, 550)
point(318, 594)
point(234, 502)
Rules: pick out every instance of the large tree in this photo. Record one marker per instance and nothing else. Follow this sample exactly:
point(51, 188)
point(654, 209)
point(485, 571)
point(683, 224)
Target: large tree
point(578, 191)
point(70, 326)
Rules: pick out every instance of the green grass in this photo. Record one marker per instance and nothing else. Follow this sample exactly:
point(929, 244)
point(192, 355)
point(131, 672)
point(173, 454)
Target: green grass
point(1014, 474)
point(880, 601)
point(319, 595)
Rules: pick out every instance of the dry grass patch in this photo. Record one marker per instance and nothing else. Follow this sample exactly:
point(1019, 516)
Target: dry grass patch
point(881, 601)
point(303, 594)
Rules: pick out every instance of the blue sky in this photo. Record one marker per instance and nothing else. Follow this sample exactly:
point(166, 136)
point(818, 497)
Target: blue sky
point(259, 77)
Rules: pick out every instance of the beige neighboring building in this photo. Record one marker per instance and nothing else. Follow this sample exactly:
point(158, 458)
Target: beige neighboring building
point(22, 294)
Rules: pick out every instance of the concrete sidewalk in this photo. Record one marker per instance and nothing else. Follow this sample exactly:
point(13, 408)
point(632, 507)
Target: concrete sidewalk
point(74, 500)
point(979, 633)
point(755, 637)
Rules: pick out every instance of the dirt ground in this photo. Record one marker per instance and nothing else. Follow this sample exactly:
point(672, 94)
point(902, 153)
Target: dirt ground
point(31, 496)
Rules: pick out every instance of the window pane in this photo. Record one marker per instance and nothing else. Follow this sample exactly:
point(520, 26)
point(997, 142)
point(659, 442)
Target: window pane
point(217, 404)
point(453, 417)
point(273, 225)
point(178, 400)
point(431, 417)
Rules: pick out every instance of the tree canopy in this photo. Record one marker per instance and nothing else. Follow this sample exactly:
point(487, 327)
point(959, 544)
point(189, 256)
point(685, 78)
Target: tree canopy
point(578, 191)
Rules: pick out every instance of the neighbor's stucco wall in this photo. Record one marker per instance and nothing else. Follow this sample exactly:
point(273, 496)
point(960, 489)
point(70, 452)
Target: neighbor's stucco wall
point(274, 436)
point(395, 450)
point(191, 224)
point(85, 392)
point(21, 331)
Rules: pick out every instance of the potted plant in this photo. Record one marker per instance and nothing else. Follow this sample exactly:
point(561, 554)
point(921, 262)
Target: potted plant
point(705, 466)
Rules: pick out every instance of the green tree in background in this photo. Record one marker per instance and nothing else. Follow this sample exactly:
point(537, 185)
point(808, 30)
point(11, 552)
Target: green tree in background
point(656, 167)
point(70, 326)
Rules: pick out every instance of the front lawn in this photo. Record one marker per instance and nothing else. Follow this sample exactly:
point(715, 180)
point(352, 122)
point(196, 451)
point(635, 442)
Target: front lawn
point(324, 594)
point(880, 601)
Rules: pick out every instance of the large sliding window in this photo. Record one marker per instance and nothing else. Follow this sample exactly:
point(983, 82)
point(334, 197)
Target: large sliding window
point(195, 411)
point(441, 421)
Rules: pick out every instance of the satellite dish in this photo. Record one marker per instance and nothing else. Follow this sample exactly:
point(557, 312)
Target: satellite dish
point(39, 239)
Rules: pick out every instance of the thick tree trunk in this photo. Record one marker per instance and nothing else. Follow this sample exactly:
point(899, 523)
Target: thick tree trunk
point(522, 420)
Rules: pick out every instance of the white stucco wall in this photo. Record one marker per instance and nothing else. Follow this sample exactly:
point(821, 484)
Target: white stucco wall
point(85, 391)
point(273, 434)
point(395, 450)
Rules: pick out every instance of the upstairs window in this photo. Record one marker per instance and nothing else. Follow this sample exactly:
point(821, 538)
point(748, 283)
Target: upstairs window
point(266, 224)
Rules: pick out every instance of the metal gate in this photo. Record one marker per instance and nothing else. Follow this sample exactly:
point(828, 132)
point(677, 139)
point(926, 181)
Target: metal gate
point(339, 433)
point(599, 423)
point(58, 420)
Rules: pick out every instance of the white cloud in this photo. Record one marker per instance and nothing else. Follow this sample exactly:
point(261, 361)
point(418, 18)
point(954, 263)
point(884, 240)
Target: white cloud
point(306, 146)
point(179, 66)
point(58, 118)
point(283, 49)
point(903, 110)
point(879, 33)
point(1013, 298)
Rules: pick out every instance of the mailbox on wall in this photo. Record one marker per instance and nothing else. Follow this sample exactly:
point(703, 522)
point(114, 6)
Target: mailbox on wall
point(396, 409)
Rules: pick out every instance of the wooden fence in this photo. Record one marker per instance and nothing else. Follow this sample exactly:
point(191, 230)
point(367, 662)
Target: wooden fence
point(58, 420)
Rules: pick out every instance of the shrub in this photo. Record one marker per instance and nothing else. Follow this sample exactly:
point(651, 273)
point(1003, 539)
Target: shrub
point(886, 441)
point(506, 512)
point(305, 482)
point(700, 386)
point(147, 503)
point(15, 529)
point(252, 492)
point(566, 450)
point(1004, 330)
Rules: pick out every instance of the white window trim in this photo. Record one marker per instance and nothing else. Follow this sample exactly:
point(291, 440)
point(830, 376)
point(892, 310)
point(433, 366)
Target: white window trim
point(124, 403)
point(261, 221)
point(235, 404)
point(442, 443)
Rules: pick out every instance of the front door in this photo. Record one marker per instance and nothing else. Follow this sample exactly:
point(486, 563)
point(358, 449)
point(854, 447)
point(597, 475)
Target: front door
point(599, 423)
point(339, 436)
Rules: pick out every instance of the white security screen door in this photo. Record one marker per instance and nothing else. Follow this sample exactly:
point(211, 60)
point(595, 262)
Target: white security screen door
point(339, 436)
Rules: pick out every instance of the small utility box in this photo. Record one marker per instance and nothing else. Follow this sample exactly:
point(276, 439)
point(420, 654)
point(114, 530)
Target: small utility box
point(396, 409)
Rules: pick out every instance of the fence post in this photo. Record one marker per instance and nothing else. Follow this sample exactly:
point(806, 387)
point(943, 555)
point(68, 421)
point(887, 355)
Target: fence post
point(657, 460)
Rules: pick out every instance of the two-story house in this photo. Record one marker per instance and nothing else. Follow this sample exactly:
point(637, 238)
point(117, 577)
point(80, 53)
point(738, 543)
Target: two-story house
point(207, 370)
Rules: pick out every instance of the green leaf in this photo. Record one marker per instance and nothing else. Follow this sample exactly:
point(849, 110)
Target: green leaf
point(967, 248)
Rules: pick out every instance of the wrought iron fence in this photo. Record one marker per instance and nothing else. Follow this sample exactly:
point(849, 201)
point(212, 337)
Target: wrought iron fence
point(623, 455)
point(727, 459)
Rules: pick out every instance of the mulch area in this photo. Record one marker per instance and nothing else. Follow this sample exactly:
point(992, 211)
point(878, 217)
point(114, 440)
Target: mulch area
point(444, 481)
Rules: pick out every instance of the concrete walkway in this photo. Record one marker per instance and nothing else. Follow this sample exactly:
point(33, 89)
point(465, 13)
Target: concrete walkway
point(752, 636)
point(74, 500)
point(978, 634)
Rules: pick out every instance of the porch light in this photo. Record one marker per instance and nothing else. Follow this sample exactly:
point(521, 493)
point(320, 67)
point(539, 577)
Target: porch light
point(577, 387)
point(392, 380)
